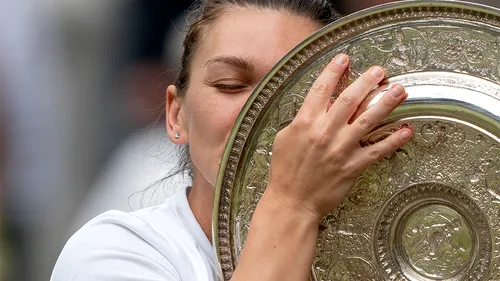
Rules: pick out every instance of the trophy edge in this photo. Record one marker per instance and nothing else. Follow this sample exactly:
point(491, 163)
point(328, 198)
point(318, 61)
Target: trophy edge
point(316, 43)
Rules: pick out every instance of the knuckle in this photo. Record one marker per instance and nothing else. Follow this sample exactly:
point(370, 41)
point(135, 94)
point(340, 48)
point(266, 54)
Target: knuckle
point(375, 154)
point(334, 70)
point(319, 87)
point(365, 122)
point(346, 100)
point(300, 123)
point(321, 139)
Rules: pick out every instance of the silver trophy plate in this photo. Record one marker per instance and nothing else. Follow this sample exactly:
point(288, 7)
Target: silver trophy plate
point(430, 211)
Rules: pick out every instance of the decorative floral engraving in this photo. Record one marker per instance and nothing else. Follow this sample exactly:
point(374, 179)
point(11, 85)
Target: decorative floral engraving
point(352, 269)
point(491, 168)
point(341, 231)
point(439, 133)
point(366, 192)
point(428, 47)
point(439, 39)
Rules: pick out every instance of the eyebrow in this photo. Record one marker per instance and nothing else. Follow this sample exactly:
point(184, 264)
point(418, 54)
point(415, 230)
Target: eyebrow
point(234, 61)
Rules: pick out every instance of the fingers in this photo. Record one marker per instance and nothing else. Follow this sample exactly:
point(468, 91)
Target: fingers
point(376, 113)
point(349, 100)
point(373, 95)
point(317, 99)
point(370, 154)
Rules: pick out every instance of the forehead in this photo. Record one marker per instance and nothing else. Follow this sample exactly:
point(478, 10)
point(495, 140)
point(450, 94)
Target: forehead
point(260, 36)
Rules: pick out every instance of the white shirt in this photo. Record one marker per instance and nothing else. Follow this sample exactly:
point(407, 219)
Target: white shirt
point(164, 242)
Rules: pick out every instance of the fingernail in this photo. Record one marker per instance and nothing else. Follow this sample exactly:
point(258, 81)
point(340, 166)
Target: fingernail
point(341, 59)
point(377, 72)
point(396, 91)
point(405, 135)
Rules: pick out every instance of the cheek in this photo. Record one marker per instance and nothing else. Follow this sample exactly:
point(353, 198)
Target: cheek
point(217, 116)
point(231, 112)
point(210, 126)
point(235, 110)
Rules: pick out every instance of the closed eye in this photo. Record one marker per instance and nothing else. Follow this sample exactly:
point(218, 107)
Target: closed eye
point(229, 86)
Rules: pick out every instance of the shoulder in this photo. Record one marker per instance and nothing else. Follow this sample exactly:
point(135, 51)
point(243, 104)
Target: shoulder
point(114, 246)
point(150, 244)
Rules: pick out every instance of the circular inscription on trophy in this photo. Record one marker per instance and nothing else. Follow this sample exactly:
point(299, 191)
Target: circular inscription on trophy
point(437, 241)
point(430, 231)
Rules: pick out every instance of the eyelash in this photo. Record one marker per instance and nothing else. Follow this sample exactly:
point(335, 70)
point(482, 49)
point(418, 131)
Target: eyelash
point(229, 87)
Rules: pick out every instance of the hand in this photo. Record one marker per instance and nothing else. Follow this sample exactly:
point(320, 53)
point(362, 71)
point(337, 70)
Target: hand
point(318, 157)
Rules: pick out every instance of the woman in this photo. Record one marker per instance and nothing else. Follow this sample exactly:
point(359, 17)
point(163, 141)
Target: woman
point(316, 159)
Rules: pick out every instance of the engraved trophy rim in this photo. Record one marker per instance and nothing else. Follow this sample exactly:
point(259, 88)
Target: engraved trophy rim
point(378, 17)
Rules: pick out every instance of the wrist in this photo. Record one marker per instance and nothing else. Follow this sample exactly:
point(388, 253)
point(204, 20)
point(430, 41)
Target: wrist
point(279, 203)
point(281, 241)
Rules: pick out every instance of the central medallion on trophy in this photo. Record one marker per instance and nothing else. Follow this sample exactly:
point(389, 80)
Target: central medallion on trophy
point(437, 241)
point(431, 231)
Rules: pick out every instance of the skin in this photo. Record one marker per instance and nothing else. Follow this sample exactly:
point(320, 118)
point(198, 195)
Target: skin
point(303, 186)
point(205, 115)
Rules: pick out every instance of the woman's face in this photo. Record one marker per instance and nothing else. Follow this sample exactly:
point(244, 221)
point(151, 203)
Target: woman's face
point(236, 51)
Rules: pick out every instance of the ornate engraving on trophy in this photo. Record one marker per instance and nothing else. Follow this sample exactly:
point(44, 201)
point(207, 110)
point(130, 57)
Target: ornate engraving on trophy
point(491, 168)
point(288, 108)
point(437, 241)
point(446, 48)
point(286, 113)
point(429, 137)
point(352, 269)
point(438, 133)
point(429, 211)
point(366, 192)
point(430, 231)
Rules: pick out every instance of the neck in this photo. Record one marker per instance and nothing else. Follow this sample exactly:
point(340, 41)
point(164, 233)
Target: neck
point(201, 201)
